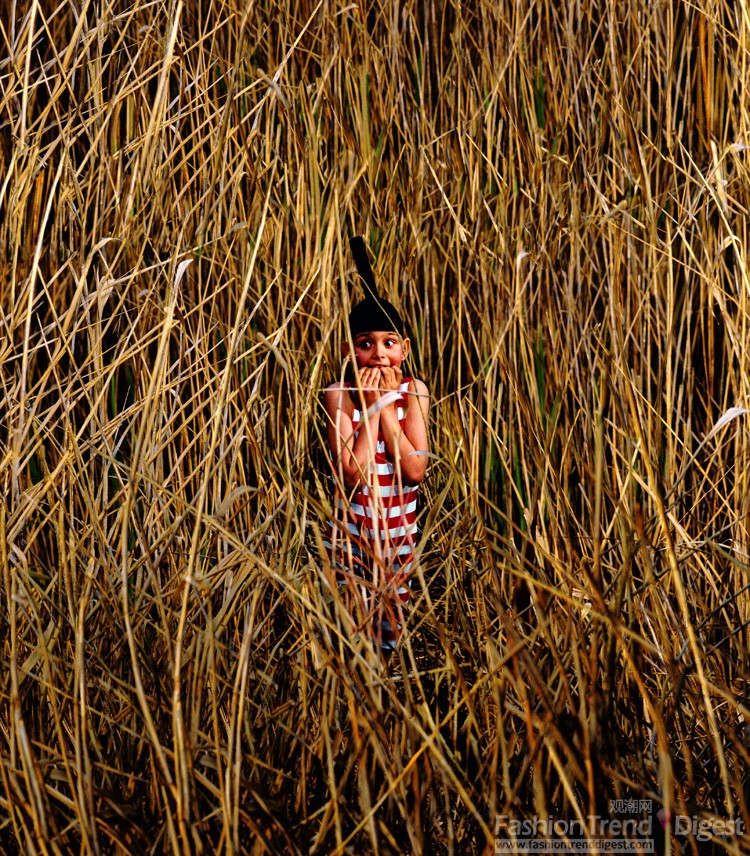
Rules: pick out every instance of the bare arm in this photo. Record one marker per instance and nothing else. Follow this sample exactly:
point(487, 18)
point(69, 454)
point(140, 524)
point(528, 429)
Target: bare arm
point(352, 458)
point(403, 444)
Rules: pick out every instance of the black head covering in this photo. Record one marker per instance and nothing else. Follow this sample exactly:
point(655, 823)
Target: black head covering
point(374, 312)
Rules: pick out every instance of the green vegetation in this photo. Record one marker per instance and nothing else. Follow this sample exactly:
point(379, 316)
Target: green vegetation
point(556, 195)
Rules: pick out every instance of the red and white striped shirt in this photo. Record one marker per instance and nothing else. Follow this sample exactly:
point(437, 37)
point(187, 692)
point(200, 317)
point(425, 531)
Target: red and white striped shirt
point(378, 520)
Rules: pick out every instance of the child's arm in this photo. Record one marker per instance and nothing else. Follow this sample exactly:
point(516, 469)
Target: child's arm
point(351, 458)
point(402, 444)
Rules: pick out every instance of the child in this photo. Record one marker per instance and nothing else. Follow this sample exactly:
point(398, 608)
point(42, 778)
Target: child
point(377, 436)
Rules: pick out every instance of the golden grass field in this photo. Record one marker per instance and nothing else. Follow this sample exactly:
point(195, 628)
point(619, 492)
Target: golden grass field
point(556, 196)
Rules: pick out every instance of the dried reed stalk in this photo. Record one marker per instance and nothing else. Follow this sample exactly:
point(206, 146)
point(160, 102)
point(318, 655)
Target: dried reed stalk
point(557, 197)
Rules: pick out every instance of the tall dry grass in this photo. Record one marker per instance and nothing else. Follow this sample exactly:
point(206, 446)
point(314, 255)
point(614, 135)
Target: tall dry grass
point(556, 195)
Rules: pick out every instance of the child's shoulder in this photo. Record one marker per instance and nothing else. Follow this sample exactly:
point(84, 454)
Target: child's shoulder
point(337, 397)
point(418, 396)
point(416, 385)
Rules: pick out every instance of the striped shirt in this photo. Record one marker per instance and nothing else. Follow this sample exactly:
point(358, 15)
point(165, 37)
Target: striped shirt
point(378, 521)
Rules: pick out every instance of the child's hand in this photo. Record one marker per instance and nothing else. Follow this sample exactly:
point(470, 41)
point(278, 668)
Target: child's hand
point(390, 378)
point(370, 380)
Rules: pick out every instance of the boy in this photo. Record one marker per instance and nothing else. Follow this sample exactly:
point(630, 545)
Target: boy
point(377, 437)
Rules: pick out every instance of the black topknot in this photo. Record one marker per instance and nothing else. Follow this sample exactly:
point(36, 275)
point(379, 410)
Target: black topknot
point(374, 312)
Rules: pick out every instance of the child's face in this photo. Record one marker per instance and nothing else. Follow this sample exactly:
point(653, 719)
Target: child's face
point(378, 349)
